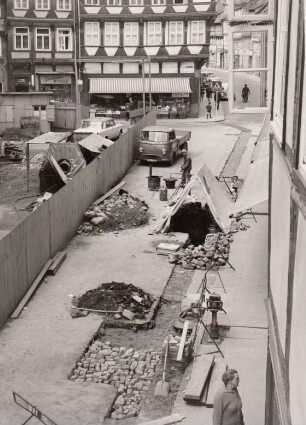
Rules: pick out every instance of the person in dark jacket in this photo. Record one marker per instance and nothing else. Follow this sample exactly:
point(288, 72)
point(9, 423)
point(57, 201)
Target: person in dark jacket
point(245, 93)
point(186, 168)
point(227, 401)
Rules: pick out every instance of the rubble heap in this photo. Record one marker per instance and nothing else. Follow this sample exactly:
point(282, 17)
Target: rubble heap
point(121, 211)
point(131, 372)
point(214, 252)
point(118, 297)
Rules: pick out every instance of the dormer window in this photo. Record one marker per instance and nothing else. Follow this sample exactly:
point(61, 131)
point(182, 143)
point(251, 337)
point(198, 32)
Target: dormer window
point(63, 5)
point(92, 2)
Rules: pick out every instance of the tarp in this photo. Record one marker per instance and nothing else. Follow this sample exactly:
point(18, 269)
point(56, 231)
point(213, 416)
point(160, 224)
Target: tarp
point(70, 152)
point(219, 203)
point(50, 137)
point(95, 143)
point(255, 188)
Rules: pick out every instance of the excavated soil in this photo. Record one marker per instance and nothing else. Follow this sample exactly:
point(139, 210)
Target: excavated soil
point(116, 296)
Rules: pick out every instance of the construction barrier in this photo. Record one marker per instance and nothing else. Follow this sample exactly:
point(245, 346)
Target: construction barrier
point(26, 249)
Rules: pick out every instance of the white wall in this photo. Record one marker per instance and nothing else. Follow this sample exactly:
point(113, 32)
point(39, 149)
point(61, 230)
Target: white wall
point(297, 366)
point(280, 227)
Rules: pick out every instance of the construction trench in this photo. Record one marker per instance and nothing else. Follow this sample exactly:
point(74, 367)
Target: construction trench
point(128, 350)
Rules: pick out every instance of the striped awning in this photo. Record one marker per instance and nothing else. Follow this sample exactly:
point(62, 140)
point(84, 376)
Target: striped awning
point(135, 85)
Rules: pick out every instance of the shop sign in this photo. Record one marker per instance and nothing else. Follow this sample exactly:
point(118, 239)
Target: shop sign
point(180, 95)
point(55, 79)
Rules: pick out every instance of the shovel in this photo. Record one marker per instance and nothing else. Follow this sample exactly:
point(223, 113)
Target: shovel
point(162, 387)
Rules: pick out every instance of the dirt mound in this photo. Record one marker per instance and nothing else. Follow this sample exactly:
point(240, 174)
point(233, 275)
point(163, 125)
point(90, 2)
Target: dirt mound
point(117, 296)
point(119, 212)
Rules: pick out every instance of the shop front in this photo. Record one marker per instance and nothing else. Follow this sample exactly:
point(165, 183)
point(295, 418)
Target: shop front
point(115, 96)
point(60, 83)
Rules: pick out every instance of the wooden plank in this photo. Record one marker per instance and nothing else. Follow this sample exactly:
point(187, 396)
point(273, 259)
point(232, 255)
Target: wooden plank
point(182, 342)
point(215, 381)
point(58, 260)
point(32, 290)
point(113, 190)
point(199, 376)
point(167, 420)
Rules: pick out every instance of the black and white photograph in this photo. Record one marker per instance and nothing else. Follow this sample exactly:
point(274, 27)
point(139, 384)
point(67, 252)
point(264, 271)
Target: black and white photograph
point(152, 212)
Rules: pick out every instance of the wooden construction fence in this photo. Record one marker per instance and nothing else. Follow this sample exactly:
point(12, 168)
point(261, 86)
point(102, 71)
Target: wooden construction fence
point(26, 249)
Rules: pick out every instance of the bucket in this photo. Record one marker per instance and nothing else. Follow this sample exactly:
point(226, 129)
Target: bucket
point(153, 182)
point(170, 182)
point(163, 194)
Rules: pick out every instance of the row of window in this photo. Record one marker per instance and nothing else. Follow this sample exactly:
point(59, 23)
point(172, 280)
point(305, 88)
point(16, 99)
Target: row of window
point(67, 4)
point(92, 35)
point(43, 4)
point(43, 39)
point(153, 33)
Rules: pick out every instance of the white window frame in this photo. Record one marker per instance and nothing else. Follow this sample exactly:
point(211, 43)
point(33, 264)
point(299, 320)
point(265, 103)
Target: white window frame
point(268, 68)
point(43, 36)
point(92, 36)
point(197, 33)
point(129, 34)
point(1, 53)
point(136, 2)
point(27, 34)
point(176, 33)
point(21, 4)
point(63, 7)
point(155, 34)
point(114, 34)
point(158, 2)
point(232, 16)
point(58, 47)
point(39, 5)
point(113, 2)
point(92, 2)
point(178, 2)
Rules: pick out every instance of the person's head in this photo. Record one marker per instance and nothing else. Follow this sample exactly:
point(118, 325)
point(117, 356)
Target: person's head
point(245, 85)
point(231, 378)
point(130, 99)
point(184, 152)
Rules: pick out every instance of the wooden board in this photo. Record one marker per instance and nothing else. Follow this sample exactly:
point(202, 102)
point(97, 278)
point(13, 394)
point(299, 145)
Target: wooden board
point(58, 260)
point(182, 342)
point(215, 381)
point(113, 190)
point(198, 379)
point(32, 290)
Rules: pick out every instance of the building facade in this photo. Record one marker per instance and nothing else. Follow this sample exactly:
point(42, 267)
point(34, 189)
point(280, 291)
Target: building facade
point(41, 47)
point(159, 45)
point(3, 49)
point(286, 380)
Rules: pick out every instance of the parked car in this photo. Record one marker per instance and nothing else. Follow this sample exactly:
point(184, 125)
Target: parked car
point(224, 92)
point(103, 126)
point(158, 144)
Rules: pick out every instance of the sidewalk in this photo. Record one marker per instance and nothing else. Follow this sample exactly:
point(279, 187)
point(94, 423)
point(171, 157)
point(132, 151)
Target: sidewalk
point(245, 344)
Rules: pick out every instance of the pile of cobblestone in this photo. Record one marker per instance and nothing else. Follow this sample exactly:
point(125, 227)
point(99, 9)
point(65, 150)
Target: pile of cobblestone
point(128, 370)
point(214, 252)
point(119, 212)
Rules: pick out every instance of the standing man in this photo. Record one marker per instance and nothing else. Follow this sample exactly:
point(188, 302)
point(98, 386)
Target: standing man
point(186, 168)
point(208, 110)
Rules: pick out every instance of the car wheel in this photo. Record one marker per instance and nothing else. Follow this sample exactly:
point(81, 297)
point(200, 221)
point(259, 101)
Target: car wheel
point(173, 158)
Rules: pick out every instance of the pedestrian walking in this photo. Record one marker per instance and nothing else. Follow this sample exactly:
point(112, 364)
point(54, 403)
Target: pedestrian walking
point(186, 168)
point(208, 110)
point(202, 91)
point(208, 92)
point(245, 93)
point(227, 401)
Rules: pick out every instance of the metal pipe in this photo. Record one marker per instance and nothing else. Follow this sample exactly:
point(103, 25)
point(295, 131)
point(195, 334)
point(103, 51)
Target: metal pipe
point(28, 166)
point(143, 89)
point(150, 89)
